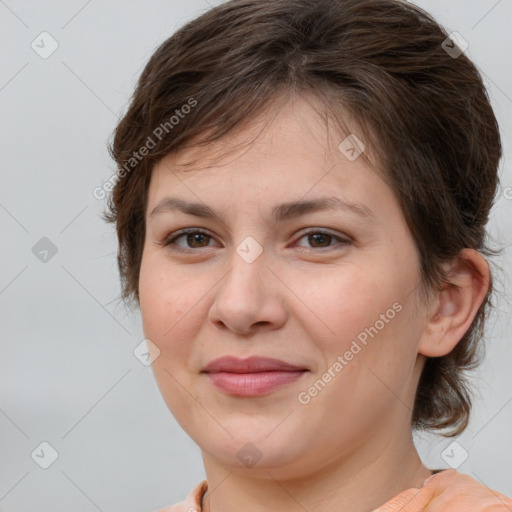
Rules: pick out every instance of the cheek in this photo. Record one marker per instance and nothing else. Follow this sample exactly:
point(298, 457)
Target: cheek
point(381, 373)
point(169, 308)
point(349, 303)
point(362, 323)
point(362, 382)
point(168, 304)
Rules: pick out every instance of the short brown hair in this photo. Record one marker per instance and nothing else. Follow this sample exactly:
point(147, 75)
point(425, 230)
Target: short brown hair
point(423, 112)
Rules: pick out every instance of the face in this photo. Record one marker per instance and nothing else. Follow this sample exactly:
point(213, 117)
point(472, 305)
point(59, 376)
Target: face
point(332, 291)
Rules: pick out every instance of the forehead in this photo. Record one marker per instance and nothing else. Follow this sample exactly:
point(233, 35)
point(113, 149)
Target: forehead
point(286, 152)
point(284, 121)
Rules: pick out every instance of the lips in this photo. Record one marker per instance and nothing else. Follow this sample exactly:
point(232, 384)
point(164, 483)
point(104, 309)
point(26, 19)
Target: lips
point(251, 377)
point(252, 364)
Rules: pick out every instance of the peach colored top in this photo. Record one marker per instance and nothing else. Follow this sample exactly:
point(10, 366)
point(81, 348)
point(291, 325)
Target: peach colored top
point(193, 501)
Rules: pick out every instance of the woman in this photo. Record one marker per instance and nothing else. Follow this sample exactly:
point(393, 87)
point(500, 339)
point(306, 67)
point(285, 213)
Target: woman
point(301, 206)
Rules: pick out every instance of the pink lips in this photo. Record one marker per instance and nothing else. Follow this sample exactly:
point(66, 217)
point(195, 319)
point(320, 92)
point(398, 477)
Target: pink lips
point(253, 376)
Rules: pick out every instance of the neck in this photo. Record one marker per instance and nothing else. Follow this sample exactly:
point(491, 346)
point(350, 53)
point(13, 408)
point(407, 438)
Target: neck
point(357, 482)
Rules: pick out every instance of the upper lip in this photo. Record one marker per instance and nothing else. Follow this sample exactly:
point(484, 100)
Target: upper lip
point(252, 364)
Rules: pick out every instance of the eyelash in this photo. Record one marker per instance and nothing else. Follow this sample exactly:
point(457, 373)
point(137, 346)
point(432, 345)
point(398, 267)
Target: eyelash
point(170, 241)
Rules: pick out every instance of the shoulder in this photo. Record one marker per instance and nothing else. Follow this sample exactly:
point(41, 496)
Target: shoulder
point(192, 503)
point(458, 487)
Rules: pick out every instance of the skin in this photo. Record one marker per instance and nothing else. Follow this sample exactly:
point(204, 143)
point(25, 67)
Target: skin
point(303, 300)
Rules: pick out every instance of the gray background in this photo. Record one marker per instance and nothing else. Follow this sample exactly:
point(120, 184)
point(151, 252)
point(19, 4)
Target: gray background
point(68, 374)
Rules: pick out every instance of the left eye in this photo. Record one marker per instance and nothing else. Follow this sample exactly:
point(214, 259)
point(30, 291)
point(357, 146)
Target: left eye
point(321, 239)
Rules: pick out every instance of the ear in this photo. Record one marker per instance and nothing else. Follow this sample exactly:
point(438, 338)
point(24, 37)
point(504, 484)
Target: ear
point(453, 309)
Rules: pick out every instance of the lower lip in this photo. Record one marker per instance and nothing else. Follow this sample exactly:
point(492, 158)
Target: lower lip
point(253, 384)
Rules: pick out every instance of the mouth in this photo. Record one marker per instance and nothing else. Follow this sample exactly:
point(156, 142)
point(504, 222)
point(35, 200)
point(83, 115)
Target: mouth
point(254, 376)
point(252, 364)
point(253, 384)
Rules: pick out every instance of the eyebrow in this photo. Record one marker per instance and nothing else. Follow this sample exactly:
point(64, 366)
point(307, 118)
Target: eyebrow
point(280, 212)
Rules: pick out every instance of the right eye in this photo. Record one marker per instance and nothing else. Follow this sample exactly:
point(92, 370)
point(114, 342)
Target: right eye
point(193, 237)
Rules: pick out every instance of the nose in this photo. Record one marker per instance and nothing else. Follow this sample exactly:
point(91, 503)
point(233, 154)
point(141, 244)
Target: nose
point(249, 298)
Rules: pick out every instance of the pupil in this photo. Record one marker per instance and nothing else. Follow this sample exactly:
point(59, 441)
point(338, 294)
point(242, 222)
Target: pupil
point(196, 237)
point(317, 235)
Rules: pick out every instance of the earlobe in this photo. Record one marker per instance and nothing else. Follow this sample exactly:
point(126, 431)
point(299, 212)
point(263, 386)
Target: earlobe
point(456, 305)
